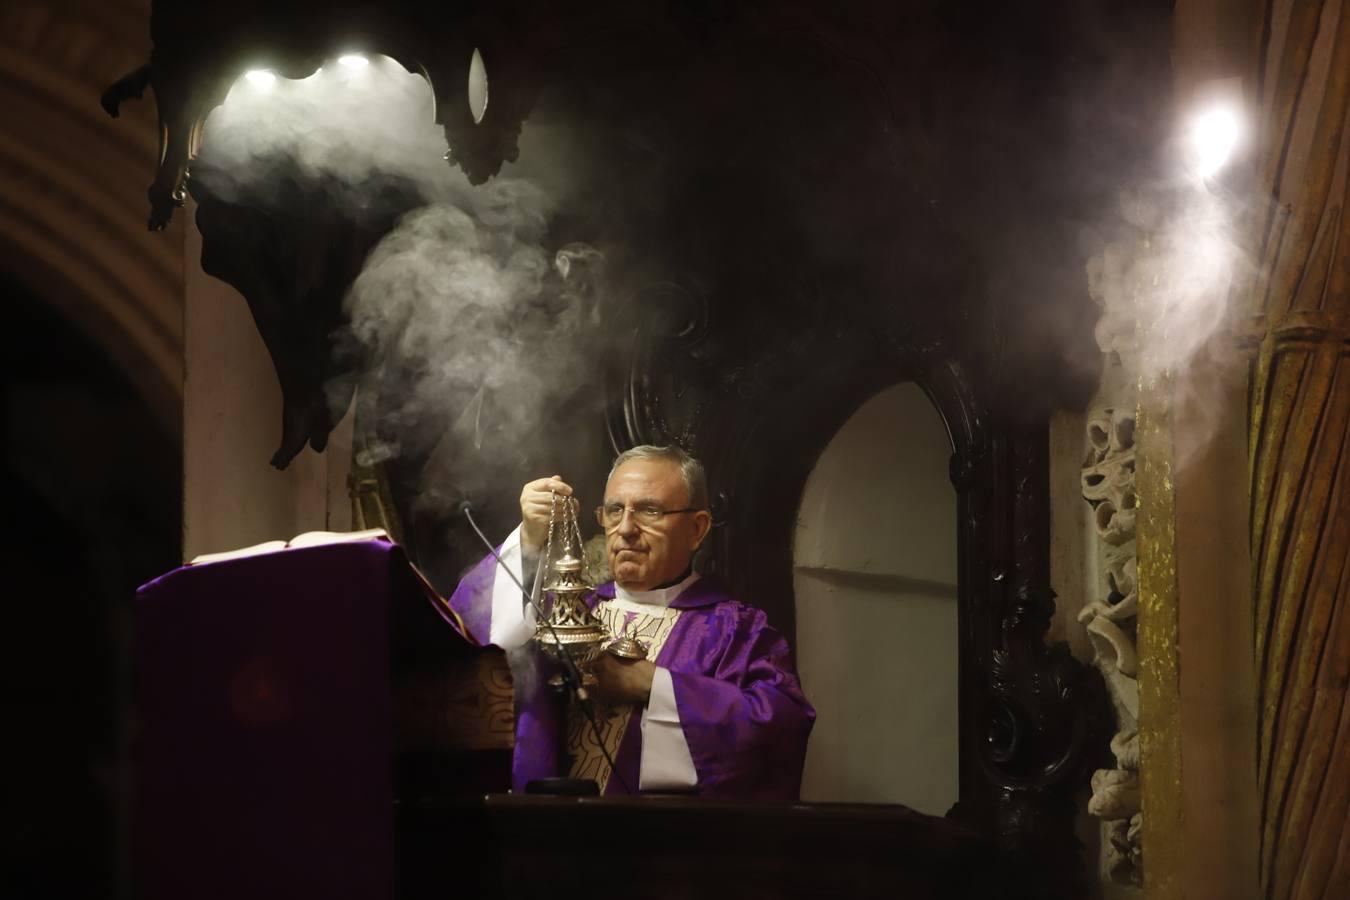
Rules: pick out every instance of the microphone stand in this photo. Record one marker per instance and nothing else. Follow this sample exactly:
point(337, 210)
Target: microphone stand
point(571, 671)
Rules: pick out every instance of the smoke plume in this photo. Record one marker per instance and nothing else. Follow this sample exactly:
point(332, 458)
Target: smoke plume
point(467, 319)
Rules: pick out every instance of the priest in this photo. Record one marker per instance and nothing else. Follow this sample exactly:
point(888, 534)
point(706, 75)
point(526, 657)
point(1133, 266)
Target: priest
point(715, 709)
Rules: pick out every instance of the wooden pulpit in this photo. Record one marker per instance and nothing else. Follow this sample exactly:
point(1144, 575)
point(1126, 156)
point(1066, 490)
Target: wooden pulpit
point(285, 701)
point(312, 726)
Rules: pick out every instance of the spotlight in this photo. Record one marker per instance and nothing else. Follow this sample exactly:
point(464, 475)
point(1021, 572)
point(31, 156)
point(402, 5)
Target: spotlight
point(261, 79)
point(353, 61)
point(1214, 136)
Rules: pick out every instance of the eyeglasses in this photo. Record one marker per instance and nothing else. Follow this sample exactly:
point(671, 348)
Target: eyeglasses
point(611, 514)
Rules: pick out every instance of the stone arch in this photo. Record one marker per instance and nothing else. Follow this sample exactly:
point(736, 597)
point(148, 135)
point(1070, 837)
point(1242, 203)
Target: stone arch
point(72, 189)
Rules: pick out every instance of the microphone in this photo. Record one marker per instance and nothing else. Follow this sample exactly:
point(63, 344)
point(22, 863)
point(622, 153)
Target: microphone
point(571, 671)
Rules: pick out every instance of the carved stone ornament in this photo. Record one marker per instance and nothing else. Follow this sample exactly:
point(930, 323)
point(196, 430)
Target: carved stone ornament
point(1108, 486)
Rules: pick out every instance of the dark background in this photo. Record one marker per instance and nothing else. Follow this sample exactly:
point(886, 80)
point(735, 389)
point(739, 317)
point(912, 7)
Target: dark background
point(93, 489)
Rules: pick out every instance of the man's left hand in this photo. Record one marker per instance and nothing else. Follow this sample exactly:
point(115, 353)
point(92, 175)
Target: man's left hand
point(622, 680)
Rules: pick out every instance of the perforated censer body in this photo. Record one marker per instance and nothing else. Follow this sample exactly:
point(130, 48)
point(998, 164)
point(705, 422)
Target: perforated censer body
point(568, 620)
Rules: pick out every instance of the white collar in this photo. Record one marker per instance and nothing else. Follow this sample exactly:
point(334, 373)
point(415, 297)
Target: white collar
point(658, 597)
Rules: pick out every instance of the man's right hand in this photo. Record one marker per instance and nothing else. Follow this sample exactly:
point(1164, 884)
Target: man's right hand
point(536, 506)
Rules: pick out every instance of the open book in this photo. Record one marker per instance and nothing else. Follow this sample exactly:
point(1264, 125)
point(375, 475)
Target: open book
point(308, 539)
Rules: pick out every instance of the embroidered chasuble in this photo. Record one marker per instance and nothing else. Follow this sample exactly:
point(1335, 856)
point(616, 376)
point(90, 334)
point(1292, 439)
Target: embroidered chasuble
point(652, 626)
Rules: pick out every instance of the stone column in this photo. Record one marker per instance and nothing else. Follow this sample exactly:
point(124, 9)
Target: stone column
point(1196, 703)
point(1300, 449)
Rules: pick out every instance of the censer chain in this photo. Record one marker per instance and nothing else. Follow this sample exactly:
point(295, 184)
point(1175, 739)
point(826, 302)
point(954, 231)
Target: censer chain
point(570, 667)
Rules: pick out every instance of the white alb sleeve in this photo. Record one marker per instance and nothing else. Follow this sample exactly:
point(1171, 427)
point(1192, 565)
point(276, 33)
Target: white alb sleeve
point(512, 617)
point(666, 763)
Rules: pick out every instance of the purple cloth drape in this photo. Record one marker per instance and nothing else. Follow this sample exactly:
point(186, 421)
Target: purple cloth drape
point(741, 706)
point(265, 729)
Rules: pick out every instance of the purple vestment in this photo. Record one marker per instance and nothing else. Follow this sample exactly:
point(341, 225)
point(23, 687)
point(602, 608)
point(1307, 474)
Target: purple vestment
point(741, 708)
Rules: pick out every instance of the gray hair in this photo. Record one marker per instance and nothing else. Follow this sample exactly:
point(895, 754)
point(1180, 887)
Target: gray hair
point(695, 479)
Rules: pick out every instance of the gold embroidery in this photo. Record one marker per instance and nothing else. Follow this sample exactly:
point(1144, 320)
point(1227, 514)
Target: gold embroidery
point(587, 759)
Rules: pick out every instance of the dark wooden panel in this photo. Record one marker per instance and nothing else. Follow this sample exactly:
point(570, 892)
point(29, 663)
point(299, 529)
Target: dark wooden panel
point(666, 848)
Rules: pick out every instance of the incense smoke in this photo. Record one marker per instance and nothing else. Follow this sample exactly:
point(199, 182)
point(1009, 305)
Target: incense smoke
point(347, 124)
point(1169, 281)
point(470, 324)
point(1165, 247)
point(1166, 273)
point(477, 323)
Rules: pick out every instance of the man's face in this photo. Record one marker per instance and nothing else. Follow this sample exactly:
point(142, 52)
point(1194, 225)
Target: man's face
point(645, 556)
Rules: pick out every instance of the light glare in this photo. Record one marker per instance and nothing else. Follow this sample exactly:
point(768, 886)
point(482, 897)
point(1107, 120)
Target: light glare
point(260, 78)
point(353, 61)
point(1214, 136)
point(478, 87)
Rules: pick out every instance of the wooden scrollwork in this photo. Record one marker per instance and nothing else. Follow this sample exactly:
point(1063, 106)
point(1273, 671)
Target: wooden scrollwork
point(1034, 721)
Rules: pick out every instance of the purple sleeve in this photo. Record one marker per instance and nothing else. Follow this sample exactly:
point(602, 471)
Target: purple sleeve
point(747, 723)
point(536, 712)
point(472, 600)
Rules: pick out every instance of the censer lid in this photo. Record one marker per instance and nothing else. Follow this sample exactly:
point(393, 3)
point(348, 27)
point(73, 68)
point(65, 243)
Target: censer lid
point(567, 563)
point(566, 575)
point(628, 647)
